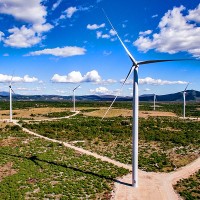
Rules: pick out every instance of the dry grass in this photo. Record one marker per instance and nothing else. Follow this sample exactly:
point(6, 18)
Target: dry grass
point(127, 113)
point(10, 141)
point(26, 113)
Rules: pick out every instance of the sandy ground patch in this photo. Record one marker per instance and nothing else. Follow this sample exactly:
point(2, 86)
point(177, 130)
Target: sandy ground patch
point(127, 113)
point(10, 141)
point(26, 113)
point(6, 170)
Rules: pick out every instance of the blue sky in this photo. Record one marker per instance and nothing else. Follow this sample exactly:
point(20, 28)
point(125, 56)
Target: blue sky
point(51, 46)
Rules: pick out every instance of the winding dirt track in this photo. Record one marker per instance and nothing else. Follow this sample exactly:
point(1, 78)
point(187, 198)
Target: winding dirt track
point(152, 186)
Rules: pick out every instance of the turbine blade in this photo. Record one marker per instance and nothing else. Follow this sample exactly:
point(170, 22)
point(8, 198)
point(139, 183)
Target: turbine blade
point(186, 87)
point(157, 61)
point(129, 73)
point(109, 107)
point(127, 51)
point(76, 88)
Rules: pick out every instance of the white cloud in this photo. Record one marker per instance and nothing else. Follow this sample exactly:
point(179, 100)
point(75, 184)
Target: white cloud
point(7, 78)
point(108, 82)
point(194, 15)
point(32, 12)
point(148, 32)
point(55, 5)
point(106, 36)
point(70, 11)
point(177, 33)
point(151, 81)
point(22, 37)
point(1, 36)
point(29, 89)
point(99, 34)
point(153, 16)
point(95, 26)
point(112, 32)
point(5, 54)
point(100, 90)
point(76, 77)
point(92, 76)
point(60, 52)
point(127, 40)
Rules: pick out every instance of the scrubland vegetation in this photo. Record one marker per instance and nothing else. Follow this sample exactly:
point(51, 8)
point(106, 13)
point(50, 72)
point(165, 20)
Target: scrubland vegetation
point(162, 140)
point(189, 188)
point(38, 169)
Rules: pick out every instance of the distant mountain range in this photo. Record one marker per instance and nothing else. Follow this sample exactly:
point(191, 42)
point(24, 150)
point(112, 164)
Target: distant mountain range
point(191, 95)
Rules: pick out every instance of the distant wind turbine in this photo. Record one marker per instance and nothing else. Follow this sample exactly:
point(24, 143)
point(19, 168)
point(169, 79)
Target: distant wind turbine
point(154, 101)
point(11, 91)
point(74, 100)
point(134, 69)
point(184, 103)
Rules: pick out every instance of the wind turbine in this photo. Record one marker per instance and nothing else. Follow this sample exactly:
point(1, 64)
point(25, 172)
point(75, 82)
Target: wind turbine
point(11, 91)
point(154, 101)
point(134, 69)
point(74, 100)
point(184, 103)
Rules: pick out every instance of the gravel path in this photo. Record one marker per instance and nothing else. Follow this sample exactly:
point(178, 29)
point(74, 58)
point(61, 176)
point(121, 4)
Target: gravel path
point(152, 186)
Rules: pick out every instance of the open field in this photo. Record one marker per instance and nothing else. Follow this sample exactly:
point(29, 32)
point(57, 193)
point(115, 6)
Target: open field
point(36, 113)
point(163, 140)
point(31, 168)
point(127, 113)
point(166, 143)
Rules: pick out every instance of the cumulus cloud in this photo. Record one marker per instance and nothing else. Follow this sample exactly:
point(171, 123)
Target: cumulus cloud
point(108, 35)
point(177, 33)
point(194, 15)
point(22, 37)
point(32, 12)
point(100, 90)
point(95, 26)
point(151, 81)
point(70, 11)
point(77, 77)
point(112, 32)
point(29, 11)
point(16, 79)
point(60, 52)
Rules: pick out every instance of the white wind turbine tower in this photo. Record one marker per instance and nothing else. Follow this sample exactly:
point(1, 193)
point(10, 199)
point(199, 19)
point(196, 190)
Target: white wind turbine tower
point(11, 91)
point(74, 100)
point(184, 103)
point(134, 69)
point(154, 101)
